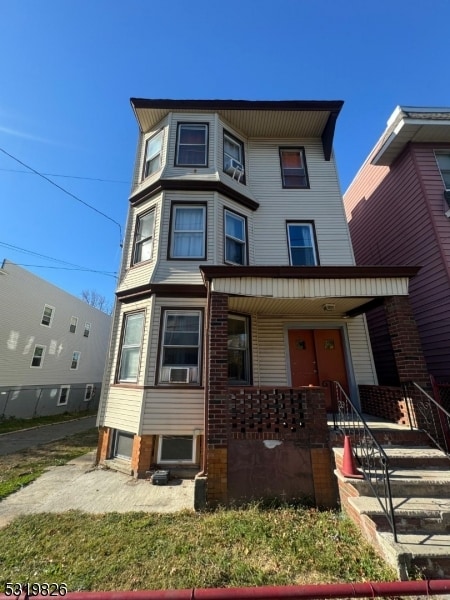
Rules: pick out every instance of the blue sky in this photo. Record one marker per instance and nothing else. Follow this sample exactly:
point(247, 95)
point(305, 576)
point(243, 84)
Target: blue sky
point(69, 67)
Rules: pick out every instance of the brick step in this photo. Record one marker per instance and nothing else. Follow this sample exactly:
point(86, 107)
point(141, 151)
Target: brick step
point(426, 515)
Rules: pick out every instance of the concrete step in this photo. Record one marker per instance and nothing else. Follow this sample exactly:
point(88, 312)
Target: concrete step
point(425, 515)
point(413, 456)
point(386, 437)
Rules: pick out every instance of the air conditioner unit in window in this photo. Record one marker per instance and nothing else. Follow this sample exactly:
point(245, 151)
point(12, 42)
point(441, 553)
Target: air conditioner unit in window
point(179, 375)
point(234, 168)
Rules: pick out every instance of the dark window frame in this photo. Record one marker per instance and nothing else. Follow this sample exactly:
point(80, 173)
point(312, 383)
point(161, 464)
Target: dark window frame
point(301, 150)
point(248, 320)
point(241, 144)
point(225, 236)
point(137, 244)
point(76, 355)
point(177, 162)
point(41, 357)
point(173, 207)
point(311, 224)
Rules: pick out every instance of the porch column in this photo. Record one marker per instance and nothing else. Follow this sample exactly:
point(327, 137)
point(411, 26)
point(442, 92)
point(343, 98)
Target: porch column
point(217, 442)
point(405, 339)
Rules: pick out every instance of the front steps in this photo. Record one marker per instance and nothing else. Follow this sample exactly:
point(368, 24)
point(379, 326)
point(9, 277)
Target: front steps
point(420, 485)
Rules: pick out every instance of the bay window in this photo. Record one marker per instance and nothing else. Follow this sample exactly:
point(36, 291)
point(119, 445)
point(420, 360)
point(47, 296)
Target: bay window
point(233, 157)
point(143, 240)
point(130, 350)
point(192, 145)
point(235, 238)
point(188, 231)
point(180, 347)
point(152, 161)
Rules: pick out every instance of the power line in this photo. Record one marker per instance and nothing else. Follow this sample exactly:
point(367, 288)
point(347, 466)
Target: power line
point(66, 192)
point(106, 273)
point(67, 176)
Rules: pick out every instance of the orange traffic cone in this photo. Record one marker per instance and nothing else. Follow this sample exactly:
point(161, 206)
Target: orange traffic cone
point(348, 463)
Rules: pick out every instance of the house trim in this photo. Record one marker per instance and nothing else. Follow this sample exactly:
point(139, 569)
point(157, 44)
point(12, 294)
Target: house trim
point(167, 290)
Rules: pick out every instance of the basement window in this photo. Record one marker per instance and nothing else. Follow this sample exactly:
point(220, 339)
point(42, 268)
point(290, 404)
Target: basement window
point(176, 449)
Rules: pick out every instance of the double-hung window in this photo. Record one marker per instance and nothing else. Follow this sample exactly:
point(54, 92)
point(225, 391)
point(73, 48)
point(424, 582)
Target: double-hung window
point(143, 240)
point(153, 154)
point(75, 360)
point(38, 356)
point(87, 329)
point(130, 350)
point(302, 245)
point(443, 160)
point(47, 315)
point(233, 157)
point(192, 145)
point(293, 168)
point(188, 231)
point(63, 397)
point(73, 324)
point(238, 350)
point(181, 347)
point(235, 238)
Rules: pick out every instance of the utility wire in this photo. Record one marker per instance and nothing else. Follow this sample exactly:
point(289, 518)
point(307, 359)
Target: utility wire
point(67, 176)
point(66, 192)
point(108, 274)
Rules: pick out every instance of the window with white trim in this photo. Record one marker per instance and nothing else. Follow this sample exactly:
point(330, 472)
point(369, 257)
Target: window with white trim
point(130, 350)
point(73, 324)
point(89, 392)
point(238, 350)
point(235, 238)
point(152, 162)
point(192, 145)
point(75, 360)
point(188, 236)
point(87, 329)
point(47, 315)
point(233, 157)
point(38, 356)
point(176, 449)
point(143, 240)
point(302, 245)
point(443, 161)
point(63, 397)
point(293, 168)
point(180, 347)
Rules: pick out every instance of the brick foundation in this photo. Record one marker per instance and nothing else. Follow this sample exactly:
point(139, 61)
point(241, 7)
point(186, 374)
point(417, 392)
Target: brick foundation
point(104, 442)
point(141, 458)
point(324, 481)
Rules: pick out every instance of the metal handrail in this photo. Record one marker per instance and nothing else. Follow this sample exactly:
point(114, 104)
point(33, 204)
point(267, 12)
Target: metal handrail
point(429, 416)
point(371, 457)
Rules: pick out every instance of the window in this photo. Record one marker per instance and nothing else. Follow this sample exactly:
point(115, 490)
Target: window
point(188, 232)
point(63, 395)
point(238, 350)
point(192, 145)
point(130, 351)
point(176, 448)
point(293, 168)
point(89, 392)
point(235, 238)
point(233, 157)
point(443, 160)
point(38, 356)
point(301, 242)
point(73, 324)
point(143, 240)
point(180, 352)
point(75, 360)
point(47, 315)
point(87, 329)
point(153, 154)
point(123, 444)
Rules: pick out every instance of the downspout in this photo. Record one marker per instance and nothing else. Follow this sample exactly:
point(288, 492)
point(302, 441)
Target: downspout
point(206, 336)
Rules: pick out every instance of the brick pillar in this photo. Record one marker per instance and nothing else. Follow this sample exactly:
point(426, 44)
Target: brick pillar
point(216, 433)
point(405, 339)
point(142, 454)
point(104, 437)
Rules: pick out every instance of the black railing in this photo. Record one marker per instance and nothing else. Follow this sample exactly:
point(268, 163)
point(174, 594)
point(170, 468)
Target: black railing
point(427, 414)
point(370, 456)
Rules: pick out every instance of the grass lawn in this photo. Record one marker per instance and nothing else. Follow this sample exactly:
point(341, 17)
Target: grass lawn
point(13, 424)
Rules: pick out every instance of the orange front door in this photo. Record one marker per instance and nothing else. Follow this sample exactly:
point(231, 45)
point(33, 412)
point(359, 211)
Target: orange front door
point(317, 355)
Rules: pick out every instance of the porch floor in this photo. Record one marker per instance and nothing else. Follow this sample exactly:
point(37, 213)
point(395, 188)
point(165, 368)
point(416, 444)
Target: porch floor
point(373, 423)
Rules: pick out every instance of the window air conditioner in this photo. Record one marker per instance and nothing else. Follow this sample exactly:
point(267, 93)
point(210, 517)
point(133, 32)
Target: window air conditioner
point(179, 375)
point(234, 168)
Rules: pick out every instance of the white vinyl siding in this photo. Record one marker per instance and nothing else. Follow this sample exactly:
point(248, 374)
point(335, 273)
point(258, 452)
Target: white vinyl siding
point(365, 372)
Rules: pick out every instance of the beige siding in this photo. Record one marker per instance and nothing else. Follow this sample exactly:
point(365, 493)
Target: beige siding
point(322, 203)
point(124, 409)
point(358, 337)
point(139, 183)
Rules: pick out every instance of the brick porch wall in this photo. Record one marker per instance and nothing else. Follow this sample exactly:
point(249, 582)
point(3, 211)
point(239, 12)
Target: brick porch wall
point(385, 402)
point(104, 439)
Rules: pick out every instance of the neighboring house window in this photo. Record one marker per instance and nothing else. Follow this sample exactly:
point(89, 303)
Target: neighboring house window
point(443, 160)
point(130, 350)
point(143, 240)
point(87, 329)
point(73, 324)
point(188, 232)
point(123, 444)
point(89, 392)
point(47, 316)
point(63, 395)
point(233, 157)
point(192, 145)
point(176, 449)
point(38, 356)
point(153, 154)
point(235, 238)
point(180, 352)
point(293, 168)
point(75, 360)
point(302, 246)
point(238, 350)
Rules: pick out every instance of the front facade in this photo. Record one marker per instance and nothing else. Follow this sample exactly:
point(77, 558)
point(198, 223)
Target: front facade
point(238, 299)
point(398, 209)
point(53, 347)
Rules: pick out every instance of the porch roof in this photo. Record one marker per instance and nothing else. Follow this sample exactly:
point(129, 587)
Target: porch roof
point(317, 292)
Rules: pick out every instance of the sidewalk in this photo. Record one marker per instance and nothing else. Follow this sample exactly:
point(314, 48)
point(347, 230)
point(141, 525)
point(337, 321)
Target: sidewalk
point(27, 438)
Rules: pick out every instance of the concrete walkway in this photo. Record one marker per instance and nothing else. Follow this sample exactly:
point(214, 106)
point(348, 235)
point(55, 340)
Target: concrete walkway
point(36, 436)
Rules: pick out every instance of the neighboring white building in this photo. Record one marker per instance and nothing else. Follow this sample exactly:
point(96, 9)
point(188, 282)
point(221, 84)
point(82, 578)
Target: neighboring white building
point(52, 347)
point(235, 207)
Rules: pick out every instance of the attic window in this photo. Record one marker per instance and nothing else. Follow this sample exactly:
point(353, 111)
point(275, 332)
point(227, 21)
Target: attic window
point(192, 145)
point(293, 168)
